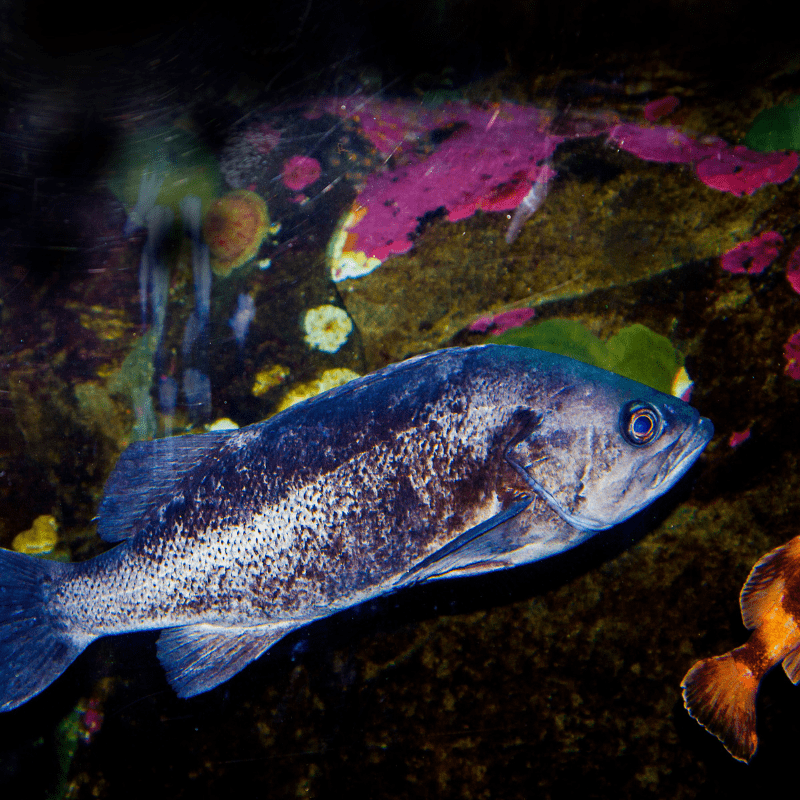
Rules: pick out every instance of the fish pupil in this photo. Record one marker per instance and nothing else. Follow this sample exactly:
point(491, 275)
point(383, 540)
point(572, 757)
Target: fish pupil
point(641, 424)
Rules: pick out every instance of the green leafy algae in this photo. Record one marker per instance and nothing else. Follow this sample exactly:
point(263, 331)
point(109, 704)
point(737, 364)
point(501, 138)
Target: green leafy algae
point(635, 352)
point(776, 128)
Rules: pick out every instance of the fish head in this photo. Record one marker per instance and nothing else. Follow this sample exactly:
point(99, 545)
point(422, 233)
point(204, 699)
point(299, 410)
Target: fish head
point(604, 446)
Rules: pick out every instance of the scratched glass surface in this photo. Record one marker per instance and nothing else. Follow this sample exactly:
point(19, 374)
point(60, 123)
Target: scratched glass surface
point(210, 214)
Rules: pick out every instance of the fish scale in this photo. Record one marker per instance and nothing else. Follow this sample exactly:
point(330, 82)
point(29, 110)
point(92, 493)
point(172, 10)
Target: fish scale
point(455, 463)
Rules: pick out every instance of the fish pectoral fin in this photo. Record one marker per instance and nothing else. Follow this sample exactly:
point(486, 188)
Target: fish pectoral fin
point(144, 478)
point(197, 658)
point(477, 568)
point(477, 550)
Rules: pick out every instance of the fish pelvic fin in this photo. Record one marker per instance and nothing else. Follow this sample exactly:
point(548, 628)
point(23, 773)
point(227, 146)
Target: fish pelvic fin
point(720, 693)
point(35, 645)
point(199, 657)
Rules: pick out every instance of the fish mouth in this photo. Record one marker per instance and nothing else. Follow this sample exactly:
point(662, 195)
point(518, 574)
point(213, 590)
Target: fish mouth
point(683, 453)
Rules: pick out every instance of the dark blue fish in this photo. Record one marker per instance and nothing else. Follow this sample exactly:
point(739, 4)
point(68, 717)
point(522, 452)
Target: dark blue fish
point(458, 462)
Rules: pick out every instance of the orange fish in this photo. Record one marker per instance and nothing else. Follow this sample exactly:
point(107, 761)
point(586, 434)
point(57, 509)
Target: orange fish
point(720, 692)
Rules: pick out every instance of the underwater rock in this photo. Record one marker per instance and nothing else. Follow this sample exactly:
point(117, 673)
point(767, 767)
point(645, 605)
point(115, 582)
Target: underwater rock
point(610, 220)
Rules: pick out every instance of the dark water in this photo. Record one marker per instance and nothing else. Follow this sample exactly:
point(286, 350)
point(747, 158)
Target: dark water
point(557, 679)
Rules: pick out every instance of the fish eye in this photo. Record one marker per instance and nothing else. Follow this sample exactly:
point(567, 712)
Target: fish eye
point(640, 423)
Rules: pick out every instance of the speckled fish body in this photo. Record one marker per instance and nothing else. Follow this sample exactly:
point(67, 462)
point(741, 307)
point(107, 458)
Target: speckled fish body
point(458, 462)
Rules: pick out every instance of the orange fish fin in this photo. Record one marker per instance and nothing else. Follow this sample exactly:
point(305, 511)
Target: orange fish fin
point(720, 693)
point(765, 584)
point(791, 665)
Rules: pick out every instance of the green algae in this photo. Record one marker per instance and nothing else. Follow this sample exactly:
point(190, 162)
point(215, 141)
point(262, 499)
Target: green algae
point(776, 128)
point(635, 352)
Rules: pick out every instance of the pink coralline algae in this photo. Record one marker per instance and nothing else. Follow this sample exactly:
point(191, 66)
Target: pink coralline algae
point(300, 171)
point(502, 322)
point(718, 165)
point(662, 107)
point(741, 171)
point(791, 352)
point(754, 256)
point(488, 160)
point(793, 269)
point(737, 437)
point(459, 158)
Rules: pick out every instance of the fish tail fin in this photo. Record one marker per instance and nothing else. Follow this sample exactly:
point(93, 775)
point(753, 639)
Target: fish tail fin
point(35, 645)
point(720, 693)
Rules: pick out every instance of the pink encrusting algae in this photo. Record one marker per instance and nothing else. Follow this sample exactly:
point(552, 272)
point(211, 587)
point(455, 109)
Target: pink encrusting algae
point(662, 107)
point(300, 171)
point(488, 161)
point(791, 352)
point(717, 164)
point(738, 437)
point(459, 158)
point(503, 321)
point(793, 269)
point(754, 256)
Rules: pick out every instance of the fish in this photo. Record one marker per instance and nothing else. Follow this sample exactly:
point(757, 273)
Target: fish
point(720, 692)
point(458, 462)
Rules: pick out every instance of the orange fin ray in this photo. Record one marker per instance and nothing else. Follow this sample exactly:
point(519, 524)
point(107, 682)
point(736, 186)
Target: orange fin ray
point(720, 693)
point(791, 665)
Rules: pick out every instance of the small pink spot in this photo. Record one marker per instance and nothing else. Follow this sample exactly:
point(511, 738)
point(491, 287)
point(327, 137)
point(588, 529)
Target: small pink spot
point(660, 108)
point(300, 171)
point(737, 437)
point(512, 319)
point(754, 256)
point(481, 325)
point(502, 322)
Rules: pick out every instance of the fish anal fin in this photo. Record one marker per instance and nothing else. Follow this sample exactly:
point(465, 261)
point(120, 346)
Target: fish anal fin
point(145, 477)
point(764, 587)
point(720, 693)
point(199, 657)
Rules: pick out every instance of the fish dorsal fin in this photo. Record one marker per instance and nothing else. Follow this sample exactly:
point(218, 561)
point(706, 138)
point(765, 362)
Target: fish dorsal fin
point(145, 477)
point(477, 550)
point(197, 658)
point(765, 585)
